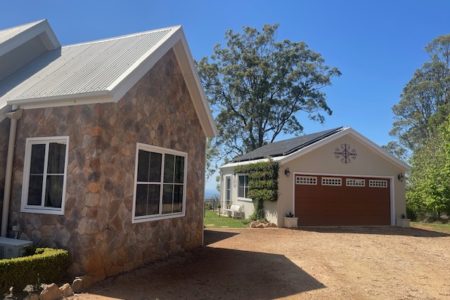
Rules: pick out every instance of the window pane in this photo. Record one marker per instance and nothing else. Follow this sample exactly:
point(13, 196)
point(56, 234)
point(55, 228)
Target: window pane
point(167, 198)
point(179, 169)
point(54, 191)
point(35, 190)
point(37, 159)
point(169, 163)
point(147, 199)
point(241, 192)
point(141, 200)
point(178, 198)
point(143, 166)
point(246, 191)
point(56, 158)
point(155, 167)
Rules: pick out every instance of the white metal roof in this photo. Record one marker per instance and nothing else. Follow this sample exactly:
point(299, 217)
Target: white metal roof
point(102, 71)
point(80, 69)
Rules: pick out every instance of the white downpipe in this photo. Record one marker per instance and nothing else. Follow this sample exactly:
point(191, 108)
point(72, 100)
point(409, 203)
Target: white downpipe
point(14, 116)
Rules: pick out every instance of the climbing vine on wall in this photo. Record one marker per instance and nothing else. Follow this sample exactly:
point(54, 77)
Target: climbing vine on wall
point(262, 184)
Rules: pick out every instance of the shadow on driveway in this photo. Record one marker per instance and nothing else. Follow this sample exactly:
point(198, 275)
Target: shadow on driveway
point(382, 230)
point(212, 273)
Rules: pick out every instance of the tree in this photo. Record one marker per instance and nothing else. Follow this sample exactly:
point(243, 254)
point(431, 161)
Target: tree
point(257, 86)
point(396, 150)
point(425, 101)
point(429, 183)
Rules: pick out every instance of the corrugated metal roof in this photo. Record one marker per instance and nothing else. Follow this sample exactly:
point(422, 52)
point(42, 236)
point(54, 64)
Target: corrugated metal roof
point(286, 147)
point(9, 33)
point(82, 68)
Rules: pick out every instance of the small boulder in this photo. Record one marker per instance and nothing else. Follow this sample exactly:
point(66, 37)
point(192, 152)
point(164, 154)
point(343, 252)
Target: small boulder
point(50, 292)
point(260, 225)
point(66, 290)
point(77, 285)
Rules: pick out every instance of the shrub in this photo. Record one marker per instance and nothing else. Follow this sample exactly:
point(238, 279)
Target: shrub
point(46, 265)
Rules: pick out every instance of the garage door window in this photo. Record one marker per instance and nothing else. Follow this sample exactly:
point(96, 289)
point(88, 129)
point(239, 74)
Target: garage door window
point(355, 182)
point(331, 181)
point(378, 183)
point(306, 180)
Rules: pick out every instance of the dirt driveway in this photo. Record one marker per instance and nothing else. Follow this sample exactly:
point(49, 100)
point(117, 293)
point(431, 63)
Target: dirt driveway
point(317, 263)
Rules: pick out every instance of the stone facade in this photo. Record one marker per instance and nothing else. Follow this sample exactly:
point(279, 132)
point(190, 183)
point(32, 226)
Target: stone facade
point(97, 224)
point(4, 137)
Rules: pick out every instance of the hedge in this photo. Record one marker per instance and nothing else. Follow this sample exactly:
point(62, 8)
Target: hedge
point(46, 265)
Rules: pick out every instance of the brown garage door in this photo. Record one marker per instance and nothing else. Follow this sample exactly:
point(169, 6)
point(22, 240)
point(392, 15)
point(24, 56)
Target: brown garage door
point(338, 200)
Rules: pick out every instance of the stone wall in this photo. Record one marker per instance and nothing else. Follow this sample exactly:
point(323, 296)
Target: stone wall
point(4, 137)
point(97, 226)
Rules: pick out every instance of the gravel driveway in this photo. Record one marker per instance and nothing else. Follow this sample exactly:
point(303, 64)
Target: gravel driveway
point(323, 263)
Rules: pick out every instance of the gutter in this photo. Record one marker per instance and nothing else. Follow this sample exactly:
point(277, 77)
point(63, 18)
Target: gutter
point(14, 115)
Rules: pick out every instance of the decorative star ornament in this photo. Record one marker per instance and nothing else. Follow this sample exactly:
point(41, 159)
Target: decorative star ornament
point(345, 153)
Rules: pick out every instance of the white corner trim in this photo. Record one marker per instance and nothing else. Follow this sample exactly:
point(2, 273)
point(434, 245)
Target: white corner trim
point(26, 177)
point(160, 216)
point(346, 131)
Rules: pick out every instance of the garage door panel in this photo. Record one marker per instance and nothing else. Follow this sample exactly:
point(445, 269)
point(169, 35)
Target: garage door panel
point(343, 205)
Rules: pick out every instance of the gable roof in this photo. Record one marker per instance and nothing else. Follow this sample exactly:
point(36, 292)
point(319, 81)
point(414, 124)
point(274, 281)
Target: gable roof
point(102, 71)
point(286, 147)
point(10, 38)
point(315, 141)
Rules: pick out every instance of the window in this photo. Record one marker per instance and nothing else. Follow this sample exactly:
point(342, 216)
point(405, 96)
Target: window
point(332, 181)
point(160, 190)
point(378, 183)
point(306, 180)
point(227, 188)
point(45, 170)
point(355, 182)
point(243, 186)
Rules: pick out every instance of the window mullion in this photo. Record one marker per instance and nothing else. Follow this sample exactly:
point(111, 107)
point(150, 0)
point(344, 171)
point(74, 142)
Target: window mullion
point(161, 184)
point(44, 179)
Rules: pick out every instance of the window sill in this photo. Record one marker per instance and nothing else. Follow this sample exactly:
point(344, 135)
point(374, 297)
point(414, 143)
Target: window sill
point(33, 210)
point(157, 218)
point(245, 199)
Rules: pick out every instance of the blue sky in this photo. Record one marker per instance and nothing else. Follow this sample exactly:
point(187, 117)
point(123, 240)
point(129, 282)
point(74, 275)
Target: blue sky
point(377, 45)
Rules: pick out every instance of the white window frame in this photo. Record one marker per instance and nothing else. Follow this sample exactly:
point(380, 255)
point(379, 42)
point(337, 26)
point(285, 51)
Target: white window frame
point(355, 182)
point(242, 198)
point(26, 176)
point(378, 183)
point(160, 216)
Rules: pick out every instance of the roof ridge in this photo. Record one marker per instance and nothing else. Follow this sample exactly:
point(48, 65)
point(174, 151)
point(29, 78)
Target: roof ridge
point(170, 28)
point(33, 23)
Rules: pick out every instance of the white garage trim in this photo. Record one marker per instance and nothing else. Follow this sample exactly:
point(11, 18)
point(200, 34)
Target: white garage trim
point(391, 192)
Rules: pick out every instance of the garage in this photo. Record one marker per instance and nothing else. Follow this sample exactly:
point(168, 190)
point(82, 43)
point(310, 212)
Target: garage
point(322, 200)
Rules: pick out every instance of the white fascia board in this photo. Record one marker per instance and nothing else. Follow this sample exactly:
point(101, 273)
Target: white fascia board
point(65, 100)
point(201, 105)
point(249, 162)
point(137, 70)
point(346, 131)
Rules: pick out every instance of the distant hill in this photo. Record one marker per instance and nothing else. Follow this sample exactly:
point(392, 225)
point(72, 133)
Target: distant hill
point(210, 193)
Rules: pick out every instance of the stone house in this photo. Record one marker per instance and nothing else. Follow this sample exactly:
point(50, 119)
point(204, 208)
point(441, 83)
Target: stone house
point(106, 145)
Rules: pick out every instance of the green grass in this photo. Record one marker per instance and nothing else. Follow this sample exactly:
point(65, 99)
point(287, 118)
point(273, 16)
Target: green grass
point(213, 220)
point(439, 227)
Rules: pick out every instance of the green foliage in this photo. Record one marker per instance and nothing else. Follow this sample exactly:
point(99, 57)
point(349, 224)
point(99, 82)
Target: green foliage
point(429, 183)
point(424, 103)
point(257, 85)
point(262, 184)
point(46, 265)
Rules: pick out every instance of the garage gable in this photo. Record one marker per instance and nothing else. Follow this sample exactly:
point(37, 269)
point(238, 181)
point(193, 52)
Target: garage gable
point(346, 152)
